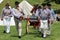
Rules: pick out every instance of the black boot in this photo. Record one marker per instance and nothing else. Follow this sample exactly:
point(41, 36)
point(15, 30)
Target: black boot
point(42, 35)
point(4, 32)
point(19, 36)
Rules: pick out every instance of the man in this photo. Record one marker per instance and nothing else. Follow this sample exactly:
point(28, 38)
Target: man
point(38, 14)
point(33, 11)
point(44, 17)
point(6, 17)
point(52, 18)
point(18, 16)
point(52, 12)
point(38, 11)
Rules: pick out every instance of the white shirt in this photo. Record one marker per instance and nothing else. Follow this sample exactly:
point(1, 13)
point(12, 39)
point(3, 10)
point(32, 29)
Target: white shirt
point(53, 14)
point(37, 12)
point(6, 12)
point(45, 14)
point(17, 13)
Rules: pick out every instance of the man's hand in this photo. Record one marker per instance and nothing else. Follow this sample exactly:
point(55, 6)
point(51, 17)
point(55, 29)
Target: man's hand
point(2, 19)
point(50, 21)
point(21, 17)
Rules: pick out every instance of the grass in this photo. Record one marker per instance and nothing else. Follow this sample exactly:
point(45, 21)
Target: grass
point(34, 35)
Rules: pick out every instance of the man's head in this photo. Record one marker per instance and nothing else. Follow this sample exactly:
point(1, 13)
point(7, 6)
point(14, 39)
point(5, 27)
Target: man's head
point(39, 7)
point(16, 3)
point(36, 6)
point(7, 5)
point(49, 5)
point(44, 5)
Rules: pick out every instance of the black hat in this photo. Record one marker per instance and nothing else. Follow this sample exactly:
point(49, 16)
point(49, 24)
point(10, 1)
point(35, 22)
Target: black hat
point(48, 4)
point(43, 4)
point(7, 4)
point(16, 3)
point(39, 6)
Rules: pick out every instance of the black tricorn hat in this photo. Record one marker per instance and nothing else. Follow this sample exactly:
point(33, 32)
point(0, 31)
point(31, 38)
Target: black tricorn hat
point(7, 4)
point(43, 4)
point(39, 6)
point(48, 4)
point(16, 2)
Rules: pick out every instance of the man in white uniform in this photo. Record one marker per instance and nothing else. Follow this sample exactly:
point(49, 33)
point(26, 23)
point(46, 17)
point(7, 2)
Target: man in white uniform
point(44, 17)
point(18, 16)
point(52, 18)
point(33, 11)
point(38, 15)
point(6, 17)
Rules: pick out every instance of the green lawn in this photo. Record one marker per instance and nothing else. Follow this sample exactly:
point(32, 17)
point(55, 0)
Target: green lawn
point(34, 35)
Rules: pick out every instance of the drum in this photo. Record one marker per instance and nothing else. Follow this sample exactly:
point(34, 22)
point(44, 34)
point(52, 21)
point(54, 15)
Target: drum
point(34, 21)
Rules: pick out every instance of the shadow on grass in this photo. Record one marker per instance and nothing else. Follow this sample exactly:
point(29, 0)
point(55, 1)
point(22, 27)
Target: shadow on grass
point(14, 35)
point(17, 35)
point(36, 34)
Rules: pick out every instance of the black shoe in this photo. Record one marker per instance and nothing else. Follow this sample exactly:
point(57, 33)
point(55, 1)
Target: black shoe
point(41, 35)
point(19, 36)
point(4, 32)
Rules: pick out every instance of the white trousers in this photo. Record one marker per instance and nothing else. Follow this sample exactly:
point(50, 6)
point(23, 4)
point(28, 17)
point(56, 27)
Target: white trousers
point(18, 24)
point(44, 26)
point(49, 29)
point(6, 22)
point(49, 26)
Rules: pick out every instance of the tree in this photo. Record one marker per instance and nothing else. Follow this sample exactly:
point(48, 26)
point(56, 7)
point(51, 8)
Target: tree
point(56, 1)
